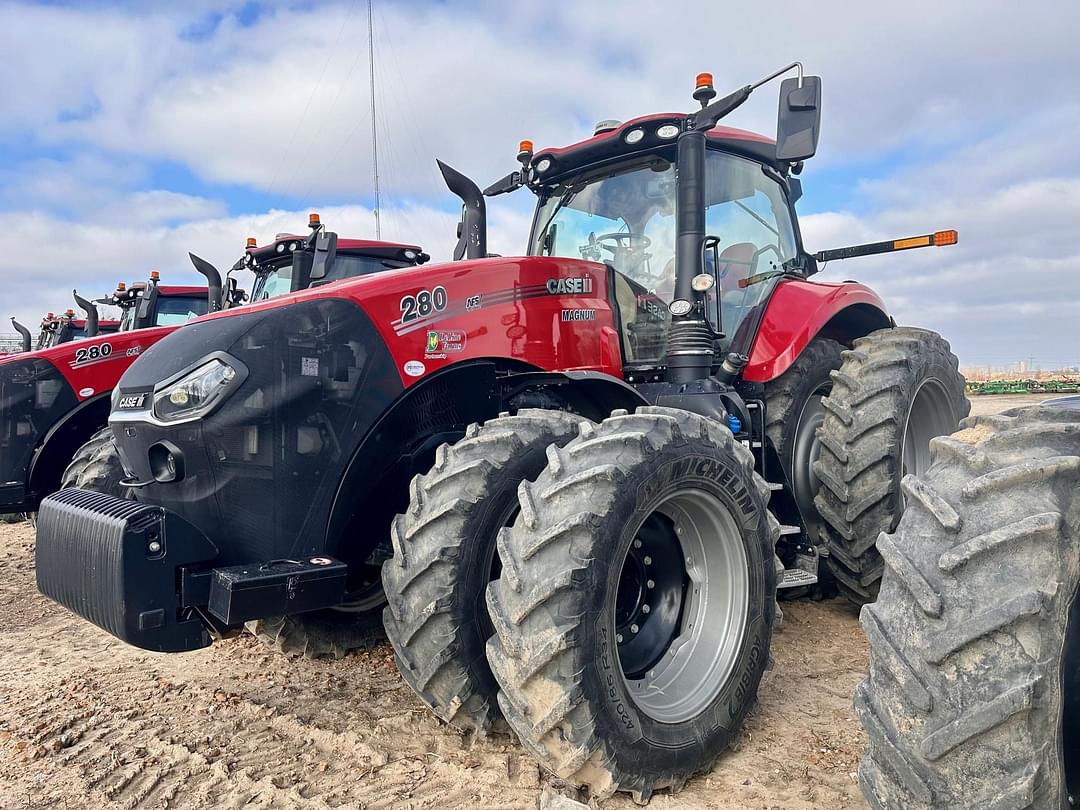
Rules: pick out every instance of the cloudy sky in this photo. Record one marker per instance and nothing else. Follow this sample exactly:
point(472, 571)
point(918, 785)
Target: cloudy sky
point(133, 132)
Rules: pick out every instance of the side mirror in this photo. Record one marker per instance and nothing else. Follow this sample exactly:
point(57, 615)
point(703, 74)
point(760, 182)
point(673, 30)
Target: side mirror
point(325, 253)
point(798, 122)
point(472, 229)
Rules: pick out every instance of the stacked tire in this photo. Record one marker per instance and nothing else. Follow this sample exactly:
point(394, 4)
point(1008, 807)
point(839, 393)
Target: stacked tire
point(973, 696)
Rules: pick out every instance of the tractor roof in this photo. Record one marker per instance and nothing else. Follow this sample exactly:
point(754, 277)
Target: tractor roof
point(360, 247)
point(609, 144)
point(170, 289)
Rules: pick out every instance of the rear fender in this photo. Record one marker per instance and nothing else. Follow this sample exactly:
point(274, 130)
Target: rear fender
point(799, 311)
point(62, 442)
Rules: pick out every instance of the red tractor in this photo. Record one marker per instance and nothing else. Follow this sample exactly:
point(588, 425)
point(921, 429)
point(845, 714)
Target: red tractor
point(584, 473)
point(54, 403)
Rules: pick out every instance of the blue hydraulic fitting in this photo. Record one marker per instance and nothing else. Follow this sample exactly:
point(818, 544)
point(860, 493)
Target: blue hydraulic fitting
point(734, 423)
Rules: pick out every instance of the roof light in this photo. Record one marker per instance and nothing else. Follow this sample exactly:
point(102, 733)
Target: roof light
point(69, 313)
point(281, 247)
point(410, 255)
point(49, 315)
point(121, 286)
point(313, 220)
point(634, 136)
point(525, 148)
point(155, 275)
point(942, 238)
point(252, 242)
point(667, 131)
point(703, 89)
point(607, 125)
point(543, 165)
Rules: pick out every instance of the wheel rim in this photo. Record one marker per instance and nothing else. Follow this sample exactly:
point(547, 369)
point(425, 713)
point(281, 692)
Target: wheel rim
point(689, 639)
point(930, 414)
point(368, 596)
point(805, 451)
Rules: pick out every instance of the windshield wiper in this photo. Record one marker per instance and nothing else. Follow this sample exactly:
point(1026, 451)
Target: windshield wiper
point(564, 200)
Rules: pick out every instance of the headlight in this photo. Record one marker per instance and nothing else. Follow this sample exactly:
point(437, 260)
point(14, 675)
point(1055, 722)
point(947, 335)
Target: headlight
point(196, 393)
point(634, 136)
point(667, 131)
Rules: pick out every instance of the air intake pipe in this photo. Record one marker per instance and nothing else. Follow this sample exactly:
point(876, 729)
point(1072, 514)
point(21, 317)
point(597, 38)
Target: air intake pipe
point(27, 340)
point(91, 314)
point(213, 281)
point(472, 230)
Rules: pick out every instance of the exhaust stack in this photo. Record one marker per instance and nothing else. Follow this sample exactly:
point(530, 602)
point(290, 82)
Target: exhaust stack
point(472, 230)
point(27, 341)
point(213, 281)
point(91, 314)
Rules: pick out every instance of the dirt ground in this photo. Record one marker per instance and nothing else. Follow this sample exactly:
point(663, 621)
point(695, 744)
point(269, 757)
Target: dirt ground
point(87, 722)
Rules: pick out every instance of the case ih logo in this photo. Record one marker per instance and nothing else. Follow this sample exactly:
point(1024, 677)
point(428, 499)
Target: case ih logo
point(131, 401)
point(560, 286)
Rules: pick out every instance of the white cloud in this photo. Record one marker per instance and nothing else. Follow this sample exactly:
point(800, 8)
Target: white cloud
point(974, 102)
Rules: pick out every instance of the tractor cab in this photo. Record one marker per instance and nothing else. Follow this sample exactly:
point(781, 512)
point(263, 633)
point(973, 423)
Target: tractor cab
point(613, 199)
point(64, 328)
point(150, 303)
point(291, 262)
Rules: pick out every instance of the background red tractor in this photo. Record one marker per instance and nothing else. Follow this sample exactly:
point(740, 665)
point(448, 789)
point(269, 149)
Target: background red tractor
point(584, 472)
point(54, 404)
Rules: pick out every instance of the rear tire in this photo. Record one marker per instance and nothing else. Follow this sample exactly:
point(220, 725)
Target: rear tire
point(897, 389)
point(444, 550)
point(973, 696)
point(793, 413)
point(96, 466)
point(575, 649)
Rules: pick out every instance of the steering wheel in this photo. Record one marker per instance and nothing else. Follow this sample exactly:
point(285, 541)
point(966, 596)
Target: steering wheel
point(642, 242)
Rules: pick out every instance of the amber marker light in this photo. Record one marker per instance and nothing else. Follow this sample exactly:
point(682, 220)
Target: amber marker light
point(313, 220)
point(704, 80)
point(942, 238)
point(251, 242)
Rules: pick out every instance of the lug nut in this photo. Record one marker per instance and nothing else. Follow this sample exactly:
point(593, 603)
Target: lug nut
point(650, 584)
point(154, 547)
point(645, 609)
point(634, 628)
point(637, 544)
point(647, 560)
point(618, 637)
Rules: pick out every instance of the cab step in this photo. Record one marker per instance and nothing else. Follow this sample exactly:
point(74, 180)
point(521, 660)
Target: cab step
point(796, 578)
point(774, 487)
point(786, 530)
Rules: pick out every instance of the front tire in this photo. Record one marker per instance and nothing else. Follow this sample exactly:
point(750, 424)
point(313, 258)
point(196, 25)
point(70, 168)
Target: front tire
point(96, 466)
point(444, 557)
point(973, 696)
point(897, 389)
point(636, 602)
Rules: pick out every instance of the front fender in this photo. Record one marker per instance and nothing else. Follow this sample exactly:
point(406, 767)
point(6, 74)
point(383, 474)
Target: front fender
point(798, 311)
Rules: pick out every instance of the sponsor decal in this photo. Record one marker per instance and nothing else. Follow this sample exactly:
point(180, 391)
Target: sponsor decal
point(579, 315)
point(130, 402)
point(473, 302)
point(444, 342)
point(414, 368)
point(309, 366)
point(571, 286)
point(86, 392)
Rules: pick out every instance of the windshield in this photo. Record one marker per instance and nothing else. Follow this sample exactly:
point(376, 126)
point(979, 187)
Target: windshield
point(626, 218)
point(173, 310)
point(273, 281)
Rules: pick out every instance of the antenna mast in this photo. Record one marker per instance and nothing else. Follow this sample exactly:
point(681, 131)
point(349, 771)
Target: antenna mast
point(374, 134)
